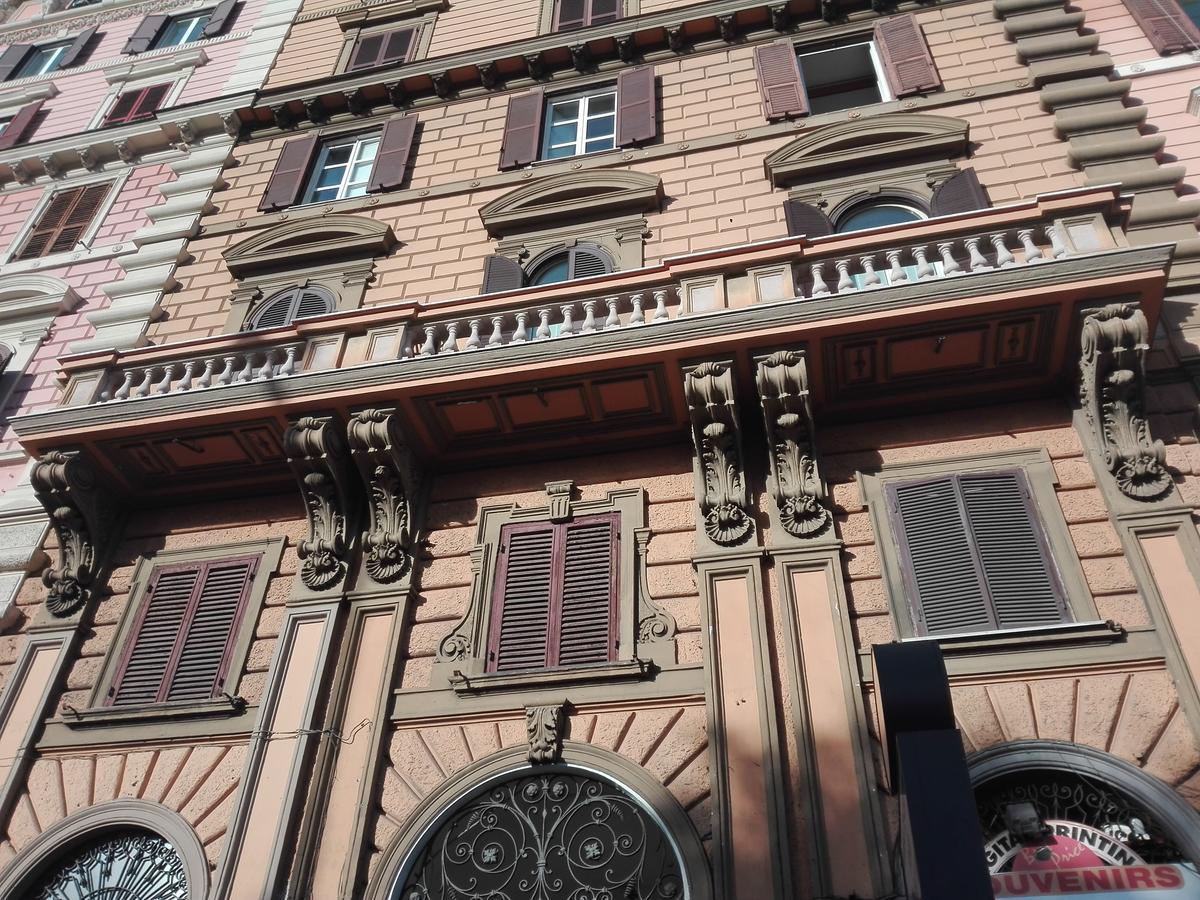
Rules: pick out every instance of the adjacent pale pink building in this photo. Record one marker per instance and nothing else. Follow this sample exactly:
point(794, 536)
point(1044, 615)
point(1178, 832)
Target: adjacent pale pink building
point(639, 366)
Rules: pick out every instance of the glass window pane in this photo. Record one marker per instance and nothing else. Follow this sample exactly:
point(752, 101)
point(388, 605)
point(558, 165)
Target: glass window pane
point(600, 127)
point(368, 149)
point(877, 215)
point(329, 193)
point(596, 146)
point(604, 103)
point(361, 173)
point(552, 272)
point(355, 190)
point(563, 134)
point(564, 112)
point(560, 152)
point(330, 177)
point(338, 156)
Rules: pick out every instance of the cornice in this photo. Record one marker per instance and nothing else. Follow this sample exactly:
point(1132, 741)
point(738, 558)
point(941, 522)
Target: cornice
point(28, 93)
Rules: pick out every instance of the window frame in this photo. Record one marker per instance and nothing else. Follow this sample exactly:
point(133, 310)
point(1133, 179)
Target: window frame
point(570, 250)
point(585, 98)
point(882, 84)
point(61, 46)
point(356, 140)
point(21, 240)
point(297, 292)
point(362, 23)
point(548, 18)
point(840, 218)
point(201, 16)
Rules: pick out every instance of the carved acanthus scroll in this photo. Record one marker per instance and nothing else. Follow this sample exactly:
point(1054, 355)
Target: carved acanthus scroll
point(724, 501)
point(1114, 344)
point(462, 640)
point(543, 725)
point(387, 471)
point(317, 454)
point(655, 624)
point(84, 519)
point(796, 485)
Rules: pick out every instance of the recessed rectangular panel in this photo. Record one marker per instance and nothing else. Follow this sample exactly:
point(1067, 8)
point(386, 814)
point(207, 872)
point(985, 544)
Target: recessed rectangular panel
point(545, 407)
point(936, 352)
point(625, 396)
point(198, 452)
point(470, 416)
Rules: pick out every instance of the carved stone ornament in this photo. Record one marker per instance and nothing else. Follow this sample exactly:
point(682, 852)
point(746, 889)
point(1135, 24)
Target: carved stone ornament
point(724, 502)
point(460, 643)
point(796, 485)
point(385, 464)
point(655, 624)
point(83, 518)
point(558, 497)
point(1112, 373)
point(317, 454)
point(543, 725)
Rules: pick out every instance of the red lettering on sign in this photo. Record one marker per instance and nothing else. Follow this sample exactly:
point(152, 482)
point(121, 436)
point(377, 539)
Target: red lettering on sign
point(1140, 877)
point(1168, 877)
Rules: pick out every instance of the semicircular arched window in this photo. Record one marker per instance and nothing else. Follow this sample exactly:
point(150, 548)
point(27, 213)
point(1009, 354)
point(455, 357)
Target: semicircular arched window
point(583, 261)
point(122, 865)
point(547, 834)
point(290, 304)
point(878, 213)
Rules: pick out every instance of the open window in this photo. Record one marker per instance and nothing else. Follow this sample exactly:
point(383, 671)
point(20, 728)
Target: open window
point(33, 60)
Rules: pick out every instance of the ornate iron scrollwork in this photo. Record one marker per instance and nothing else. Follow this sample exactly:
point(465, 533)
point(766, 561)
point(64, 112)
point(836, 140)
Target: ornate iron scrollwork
point(716, 432)
point(131, 866)
point(553, 836)
point(387, 471)
point(795, 483)
point(317, 454)
point(83, 518)
point(1114, 343)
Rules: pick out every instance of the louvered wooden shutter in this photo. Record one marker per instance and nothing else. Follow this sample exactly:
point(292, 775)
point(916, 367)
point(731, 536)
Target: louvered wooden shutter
point(21, 125)
point(585, 264)
point(637, 107)
point(163, 615)
point(78, 51)
point(522, 130)
point(906, 56)
point(570, 14)
point(11, 59)
point(221, 19)
point(587, 632)
point(310, 303)
point(521, 613)
point(395, 151)
point(287, 306)
point(805, 219)
point(1168, 27)
point(501, 274)
point(961, 192)
point(780, 80)
point(64, 221)
point(134, 105)
point(143, 36)
point(283, 190)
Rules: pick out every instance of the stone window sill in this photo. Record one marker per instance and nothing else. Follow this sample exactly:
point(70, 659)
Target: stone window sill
point(1067, 634)
point(155, 712)
point(621, 670)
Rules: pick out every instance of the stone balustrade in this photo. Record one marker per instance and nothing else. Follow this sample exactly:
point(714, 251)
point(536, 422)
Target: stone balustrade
point(203, 373)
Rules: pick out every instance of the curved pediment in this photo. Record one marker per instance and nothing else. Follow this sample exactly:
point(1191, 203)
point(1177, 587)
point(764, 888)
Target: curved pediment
point(32, 295)
point(572, 195)
point(316, 240)
point(860, 144)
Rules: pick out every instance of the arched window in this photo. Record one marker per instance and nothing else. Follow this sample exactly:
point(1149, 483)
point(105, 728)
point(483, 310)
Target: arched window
point(877, 213)
point(131, 865)
point(289, 305)
point(583, 261)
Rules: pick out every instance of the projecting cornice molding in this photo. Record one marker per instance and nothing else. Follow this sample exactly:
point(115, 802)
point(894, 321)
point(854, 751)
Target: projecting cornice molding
point(572, 195)
point(311, 241)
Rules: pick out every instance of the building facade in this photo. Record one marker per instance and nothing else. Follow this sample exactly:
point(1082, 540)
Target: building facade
point(483, 441)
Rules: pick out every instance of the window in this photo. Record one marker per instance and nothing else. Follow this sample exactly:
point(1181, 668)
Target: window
point(183, 30)
point(180, 646)
point(973, 553)
point(31, 61)
point(580, 124)
point(131, 106)
point(578, 262)
point(79, 4)
point(343, 169)
point(64, 221)
point(382, 48)
point(555, 601)
point(877, 213)
point(16, 129)
point(291, 304)
point(843, 77)
point(123, 862)
point(42, 60)
point(159, 31)
point(571, 14)
point(1171, 26)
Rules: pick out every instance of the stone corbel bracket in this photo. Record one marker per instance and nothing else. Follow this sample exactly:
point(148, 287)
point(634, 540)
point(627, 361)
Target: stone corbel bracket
point(787, 414)
point(716, 433)
point(544, 726)
point(385, 463)
point(457, 647)
point(83, 516)
point(655, 624)
point(1112, 379)
point(317, 454)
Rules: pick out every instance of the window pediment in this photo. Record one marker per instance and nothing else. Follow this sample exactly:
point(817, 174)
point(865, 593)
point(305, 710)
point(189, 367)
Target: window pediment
point(573, 195)
point(311, 241)
point(881, 140)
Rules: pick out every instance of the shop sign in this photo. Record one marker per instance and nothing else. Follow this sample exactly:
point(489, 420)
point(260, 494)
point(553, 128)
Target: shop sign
point(1107, 882)
point(1071, 846)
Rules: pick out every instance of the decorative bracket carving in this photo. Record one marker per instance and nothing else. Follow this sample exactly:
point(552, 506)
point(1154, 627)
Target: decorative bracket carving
point(387, 471)
point(1112, 377)
point(558, 496)
point(317, 454)
point(84, 519)
point(460, 643)
point(716, 432)
point(795, 483)
point(655, 624)
point(544, 725)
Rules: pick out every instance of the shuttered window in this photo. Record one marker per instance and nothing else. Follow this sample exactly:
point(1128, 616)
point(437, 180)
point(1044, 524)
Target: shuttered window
point(382, 48)
point(555, 601)
point(571, 14)
point(579, 262)
point(132, 106)
point(64, 221)
point(17, 129)
point(974, 554)
point(1170, 26)
point(289, 305)
point(179, 649)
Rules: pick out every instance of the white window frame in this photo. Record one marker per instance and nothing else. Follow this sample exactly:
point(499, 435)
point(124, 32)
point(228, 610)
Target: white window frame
point(584, 99)
point(50, 65)
point(881, 79)
point(194, 33)
point(357, 142)
point(66, 257)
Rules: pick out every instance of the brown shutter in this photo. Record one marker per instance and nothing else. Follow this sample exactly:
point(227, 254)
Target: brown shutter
point(906, 56)
point(134, 105)
point(522, 130)
point(221, 19)
point(637, 108)
point(520, 627)
point(64, 221)
point(144, 35)
point(77, 52)
point(140, 677)
point(587, 632)
point(11, 58)
point(21, 125)
point(395, 151)
point(961, 192)
point(202, 655)
point(780, 81)
point(79, 218)
point(283, 190)
point(1167, 26)
point(805, 219)
point(501, 274)
point(570, 14)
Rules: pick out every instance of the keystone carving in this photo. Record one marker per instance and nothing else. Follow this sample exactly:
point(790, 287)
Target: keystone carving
point(655, 624)
point(787, 414)
point(543, 725)
point(317, 454)
point(724, 502)
point(387, 471)
point(83, 518)
point(1114, 342)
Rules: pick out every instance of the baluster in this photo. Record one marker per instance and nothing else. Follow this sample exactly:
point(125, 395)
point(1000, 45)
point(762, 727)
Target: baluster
point(568, 319)
point(1004, 256)
point(845, 281)
point(1033, 253)
point(189, 373)
point(543, 329)
point(247, 373)
point(521, 333)
point(289, 362)
point(974, 258)
point(268, 367)
point(474, 341)
point(450, 345)
point(206, 377)
point(429, 347)
point(497, 336)
point(164, 386)
point(896, 273)
point(1058, 249)
point(614, 317)
point(227, 372)
point(637, 317)
point(925, 268)
point(820, 288)
point(143, 389)
point(122, 392)
point(870, 276)
point(589, 317)
point(660, 307)
point(950, 265)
